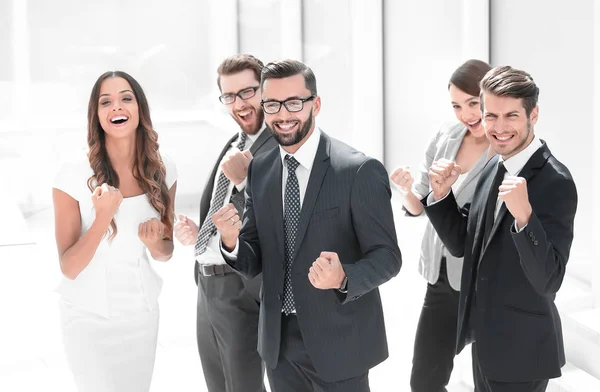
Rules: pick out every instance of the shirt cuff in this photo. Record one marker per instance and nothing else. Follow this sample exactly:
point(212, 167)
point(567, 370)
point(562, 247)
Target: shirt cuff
point(233, 254)
point(241, 186)
point(431, 201)
point(517, 230)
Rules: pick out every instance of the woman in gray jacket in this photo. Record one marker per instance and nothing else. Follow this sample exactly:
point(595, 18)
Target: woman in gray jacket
point(466, 144)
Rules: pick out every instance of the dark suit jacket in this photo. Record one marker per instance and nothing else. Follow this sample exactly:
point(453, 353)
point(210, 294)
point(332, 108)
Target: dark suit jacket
point(346, 209)
point(265, 142)
point(515, 323)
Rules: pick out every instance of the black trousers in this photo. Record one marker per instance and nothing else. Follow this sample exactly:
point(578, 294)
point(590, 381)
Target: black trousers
point(227, 332)
point(435, 341)
point(483, 384)
point(295, 371)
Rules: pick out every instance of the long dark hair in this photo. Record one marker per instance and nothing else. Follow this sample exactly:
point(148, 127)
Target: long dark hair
point(148, 167)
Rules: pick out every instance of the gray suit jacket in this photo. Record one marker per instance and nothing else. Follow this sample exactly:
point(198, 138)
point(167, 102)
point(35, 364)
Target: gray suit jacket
point(265, 142)
point(444, 144)
point(347, 210)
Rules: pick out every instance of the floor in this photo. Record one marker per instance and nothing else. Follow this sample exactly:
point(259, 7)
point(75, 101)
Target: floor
point(31, 356)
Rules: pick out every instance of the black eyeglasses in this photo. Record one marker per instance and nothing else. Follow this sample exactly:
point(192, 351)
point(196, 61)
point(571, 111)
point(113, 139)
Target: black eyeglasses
point(244, 94)
point(292, 105)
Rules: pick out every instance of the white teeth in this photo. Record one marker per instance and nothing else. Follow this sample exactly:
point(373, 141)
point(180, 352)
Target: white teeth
point(503, 138)
point(117, 118)
point(244, 114)
point(287, 127)
point(473, 123)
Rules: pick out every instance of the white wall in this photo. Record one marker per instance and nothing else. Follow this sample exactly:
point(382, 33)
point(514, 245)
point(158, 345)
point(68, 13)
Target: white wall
point(556, 47)
point(423, 44)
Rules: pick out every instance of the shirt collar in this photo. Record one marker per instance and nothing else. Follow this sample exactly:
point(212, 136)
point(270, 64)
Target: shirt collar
point(516, 163)
point(307, 152)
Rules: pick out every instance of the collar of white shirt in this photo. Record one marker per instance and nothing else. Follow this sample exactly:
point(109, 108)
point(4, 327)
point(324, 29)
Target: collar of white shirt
point(516, 163)
point(307, 152)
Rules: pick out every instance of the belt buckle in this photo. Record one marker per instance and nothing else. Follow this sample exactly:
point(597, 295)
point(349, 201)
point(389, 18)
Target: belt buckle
point(207, 270)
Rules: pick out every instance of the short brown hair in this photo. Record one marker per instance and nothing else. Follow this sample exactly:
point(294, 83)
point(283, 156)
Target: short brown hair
point(286, 68)
point(238, 63)
point(467, 77)
point(506, 81)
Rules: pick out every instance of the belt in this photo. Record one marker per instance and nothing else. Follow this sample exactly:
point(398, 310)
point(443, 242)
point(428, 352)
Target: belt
point(214, 269)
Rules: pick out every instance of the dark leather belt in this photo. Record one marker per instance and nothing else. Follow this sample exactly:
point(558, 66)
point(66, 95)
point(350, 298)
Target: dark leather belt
point(215, 269)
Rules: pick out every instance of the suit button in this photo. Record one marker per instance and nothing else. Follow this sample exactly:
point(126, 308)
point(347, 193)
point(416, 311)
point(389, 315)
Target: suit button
point(279, 297)
point(531, 235)
point(535, 242)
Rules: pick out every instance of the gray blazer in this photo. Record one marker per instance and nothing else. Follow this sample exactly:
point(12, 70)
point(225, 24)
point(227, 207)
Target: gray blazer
point(444, 144)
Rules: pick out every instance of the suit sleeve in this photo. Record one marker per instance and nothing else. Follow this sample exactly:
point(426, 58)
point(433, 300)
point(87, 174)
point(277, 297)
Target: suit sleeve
point(373, 222)
point(449, 222)
point(248, 261)
point(545, 243)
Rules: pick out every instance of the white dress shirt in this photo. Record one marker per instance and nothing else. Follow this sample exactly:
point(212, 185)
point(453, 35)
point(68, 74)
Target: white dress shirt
point(213, 255)
point(305, 156)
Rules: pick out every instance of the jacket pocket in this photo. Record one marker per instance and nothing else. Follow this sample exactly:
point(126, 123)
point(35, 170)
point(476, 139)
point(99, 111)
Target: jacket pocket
point(526, 312)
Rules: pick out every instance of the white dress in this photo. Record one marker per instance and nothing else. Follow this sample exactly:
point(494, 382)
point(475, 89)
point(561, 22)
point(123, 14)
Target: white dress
point(109, 313)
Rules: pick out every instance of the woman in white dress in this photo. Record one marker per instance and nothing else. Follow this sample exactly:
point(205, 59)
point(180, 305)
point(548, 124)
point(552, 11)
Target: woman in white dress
point(111, 205)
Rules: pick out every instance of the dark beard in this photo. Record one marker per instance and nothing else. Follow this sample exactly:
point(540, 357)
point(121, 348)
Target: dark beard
point(252, 129)
point(295, 138)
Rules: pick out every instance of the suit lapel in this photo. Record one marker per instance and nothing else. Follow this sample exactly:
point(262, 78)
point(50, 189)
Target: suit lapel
point(475, 170)
point(487, 176)
point(317, 174)
point(260, 141)
point(531, 168)
point(275, 200)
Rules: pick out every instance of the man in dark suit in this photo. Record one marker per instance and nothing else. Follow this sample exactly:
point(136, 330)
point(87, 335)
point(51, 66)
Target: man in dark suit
point(319, 226)
point(227, 312)
point(515, 237)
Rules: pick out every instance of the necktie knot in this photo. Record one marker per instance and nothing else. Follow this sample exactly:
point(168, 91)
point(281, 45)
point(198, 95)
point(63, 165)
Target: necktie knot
point(292, 163)
point(242, 141)
point(501, 169)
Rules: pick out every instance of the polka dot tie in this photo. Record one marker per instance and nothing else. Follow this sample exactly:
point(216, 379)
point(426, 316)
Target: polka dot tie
point(208, 228)
point(290, 222)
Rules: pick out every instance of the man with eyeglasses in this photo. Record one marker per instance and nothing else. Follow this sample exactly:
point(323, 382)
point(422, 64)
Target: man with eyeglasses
point(227, 311)
point(319, 226)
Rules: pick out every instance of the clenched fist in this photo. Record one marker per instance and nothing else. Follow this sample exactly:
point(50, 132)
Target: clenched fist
point(106, 200)
point(403, 179)
point(513, 192)
point(442, 175)
point(151, 232)
point(228, 222)
point(326, 272)
point(186, 230)
point(235, 165)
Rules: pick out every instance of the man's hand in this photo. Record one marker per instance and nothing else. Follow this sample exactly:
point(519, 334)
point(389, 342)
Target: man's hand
point(442, 175)
point(235, 165)
point(327, 272)
point(186, 230)
point(228, 222)
point(513, 192)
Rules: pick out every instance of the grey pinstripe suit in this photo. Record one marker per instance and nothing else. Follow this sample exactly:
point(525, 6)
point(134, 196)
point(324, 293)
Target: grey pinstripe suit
point(346, 209)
